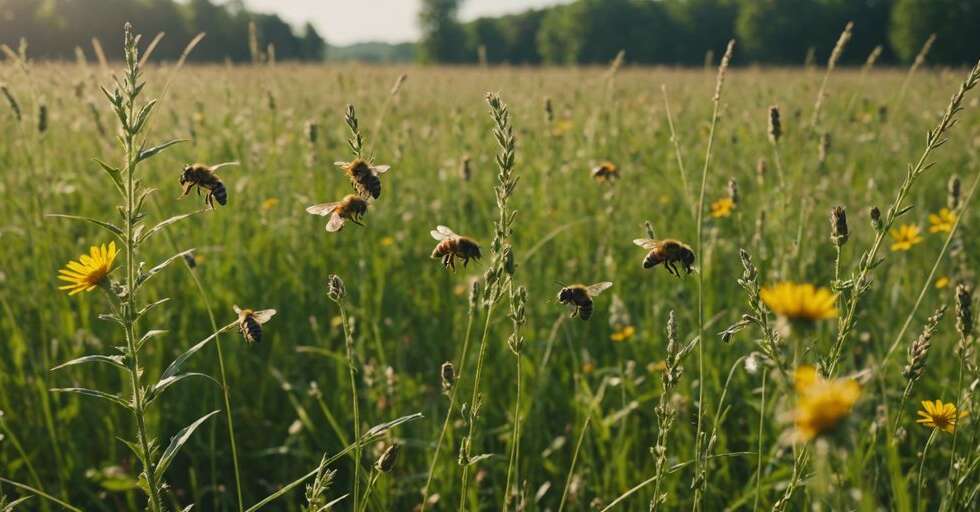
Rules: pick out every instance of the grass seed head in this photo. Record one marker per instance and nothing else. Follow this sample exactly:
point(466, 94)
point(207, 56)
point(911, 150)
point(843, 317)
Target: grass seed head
point(387, 460)
point(775, 124)
point(838, 226)
point(953, 193)
point(964, 311)
point(335, 288)
point(448, 374)
point(919, 349)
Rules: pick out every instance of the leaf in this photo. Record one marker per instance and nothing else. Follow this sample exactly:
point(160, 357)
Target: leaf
point(150, 152)
point(148, 336)
point(178, 441)
point(165, 383)
point(96, 394)
point(150, 306)
point(117, 361)
point(165, 223)
point(143, 277)
point(102, 224)
point(176, 364)
point(114, 174)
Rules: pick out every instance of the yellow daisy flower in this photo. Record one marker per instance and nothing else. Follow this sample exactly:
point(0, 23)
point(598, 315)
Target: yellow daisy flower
point(799, 301)
point(722, 207)
point(942, 282)
point(269, 204)
point(939, 415)
point(905, 237)
point(821, 403)
point(623, 334)
point(90, 269)
point(942, 222)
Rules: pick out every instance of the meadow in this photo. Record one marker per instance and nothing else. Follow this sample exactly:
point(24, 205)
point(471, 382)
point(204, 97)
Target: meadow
point(714, 390)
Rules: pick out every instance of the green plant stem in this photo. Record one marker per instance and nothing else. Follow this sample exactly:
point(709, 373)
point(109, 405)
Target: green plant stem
point(367, 491)
point(571, 468)
point(758, 470)
point(349, 339)
point(449, 412)
point(474, 408)
point(922, 463)
point(515, 438)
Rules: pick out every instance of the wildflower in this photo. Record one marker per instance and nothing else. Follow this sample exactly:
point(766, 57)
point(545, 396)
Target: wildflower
point(942, 282)
point(942, 222)
point(562, 127)
point(624, 334)
point(821, 403)
point(90, 269)
point(939, 415)
point(722, 207)
point(799, 301)
point(905, 237)
point(387, 241)
point(269, 204)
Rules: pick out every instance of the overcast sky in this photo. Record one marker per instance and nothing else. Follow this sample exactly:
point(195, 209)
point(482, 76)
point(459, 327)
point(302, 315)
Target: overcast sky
point(351, 21)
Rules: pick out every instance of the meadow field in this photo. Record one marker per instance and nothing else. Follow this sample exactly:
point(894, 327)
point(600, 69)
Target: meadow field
point(733, 387)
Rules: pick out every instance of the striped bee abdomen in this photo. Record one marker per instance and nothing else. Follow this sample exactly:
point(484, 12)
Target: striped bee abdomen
point(585, 310)
point(220, 193)
point(251, 330)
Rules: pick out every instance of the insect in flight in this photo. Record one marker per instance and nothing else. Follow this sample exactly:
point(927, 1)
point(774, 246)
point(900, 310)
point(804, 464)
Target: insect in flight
point(203, 176)
point(250, 322)
point(351, 208)
point(364, 176)
point(606, 171)
point(452, 246)
point(667, 251)
point(581, 297)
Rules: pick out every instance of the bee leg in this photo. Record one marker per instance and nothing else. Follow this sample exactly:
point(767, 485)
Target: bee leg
point(670, 268)
point(466, 261)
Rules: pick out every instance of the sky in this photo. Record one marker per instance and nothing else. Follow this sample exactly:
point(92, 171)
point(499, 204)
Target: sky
point(343, 22)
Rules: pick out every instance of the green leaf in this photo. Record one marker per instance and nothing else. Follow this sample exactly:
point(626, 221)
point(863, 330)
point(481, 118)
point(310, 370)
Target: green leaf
point(166, 382)
point(146, 309)
point(148, 336)
point(150, 152)
point(176, 364)
point(117, 361)
point(178, 441)
point(114, 174)
point(102, 224)
point(96, 394)
point(143, 277)
point(165, 223)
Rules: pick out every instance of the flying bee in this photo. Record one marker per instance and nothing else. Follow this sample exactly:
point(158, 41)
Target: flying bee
point(364, 176)
point(452, 246)
point(604, 172)
point(202, 176)
point(351, 208)
point(250, 322)
point(580, 296)
point(667, 251)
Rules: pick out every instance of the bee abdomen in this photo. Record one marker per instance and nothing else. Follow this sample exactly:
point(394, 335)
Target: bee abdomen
point(585, 310)
point(369, 185)
point(220, 193)
point(651, 260)
point(252, 330)
point(443, 248)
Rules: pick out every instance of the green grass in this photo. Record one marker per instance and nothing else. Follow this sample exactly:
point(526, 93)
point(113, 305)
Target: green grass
point(409, 314)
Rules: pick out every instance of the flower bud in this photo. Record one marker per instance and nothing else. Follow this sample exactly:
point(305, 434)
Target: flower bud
point(838, 226)
point(387, 460)
point(335, 288)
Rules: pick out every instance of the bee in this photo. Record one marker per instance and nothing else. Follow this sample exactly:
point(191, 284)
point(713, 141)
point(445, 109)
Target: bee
point(350, 208)
point(250, 322)
point(202, 176)
point(667, 251)
point(364, 176)
point(580, 296)
point(606, 171)
point(452, 246)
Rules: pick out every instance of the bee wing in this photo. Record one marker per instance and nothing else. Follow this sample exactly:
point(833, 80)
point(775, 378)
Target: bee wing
point(224, 164)
point(380, 169)
point(646, 243)
point(341, 164)
point(238, 310)
point(322, 209)
point(335, 224)
point(598, 288)
point(442, 233)
point(264, 316)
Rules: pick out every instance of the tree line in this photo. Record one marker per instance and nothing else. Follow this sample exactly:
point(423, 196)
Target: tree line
point(53, 29)
point(683, 32)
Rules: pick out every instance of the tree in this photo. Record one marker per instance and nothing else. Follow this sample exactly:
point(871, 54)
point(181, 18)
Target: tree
point(594, 31)
point(700, 26)
point(313, 47)
point(956, 24)
point(488, 33)
point(443, 38)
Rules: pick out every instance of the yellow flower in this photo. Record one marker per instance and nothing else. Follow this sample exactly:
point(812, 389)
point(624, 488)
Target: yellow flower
point(939, 415)
point(905, 237)
point(387, 241)
point(623, 334)
point(562, 127)
point(942, 222)
point(658, 366)
point(799, 301)
point(722, 207)
point(588, 367)
point(90, 269)
point(269, 204)
point(821, 403)
point(942, 282)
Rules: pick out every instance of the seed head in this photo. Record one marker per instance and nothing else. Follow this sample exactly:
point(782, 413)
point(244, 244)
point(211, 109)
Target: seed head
point(733, 191)
point(875, 214)
point(387, 460)
point(838, 226)
point(335, 288)
point(448, 374)
point(775, 125)
point(919, 348)
point(953, 193)
point(964, 310)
